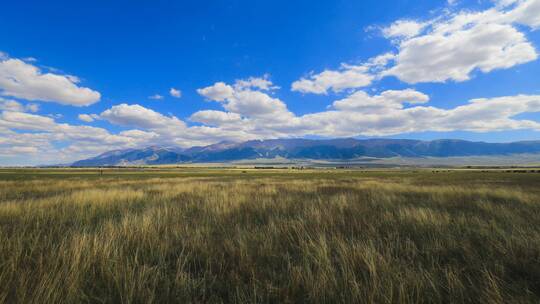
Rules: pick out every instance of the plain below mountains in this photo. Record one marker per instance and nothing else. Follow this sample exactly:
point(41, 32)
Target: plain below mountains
point(339, 150)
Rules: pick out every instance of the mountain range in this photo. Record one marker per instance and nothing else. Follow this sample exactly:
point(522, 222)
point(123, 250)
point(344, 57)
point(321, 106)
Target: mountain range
point(343, 150)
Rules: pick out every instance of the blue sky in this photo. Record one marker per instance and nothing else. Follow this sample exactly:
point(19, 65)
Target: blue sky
point(77, 79)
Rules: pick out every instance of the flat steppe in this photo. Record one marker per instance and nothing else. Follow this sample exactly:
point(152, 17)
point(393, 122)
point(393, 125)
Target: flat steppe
point(211, 235)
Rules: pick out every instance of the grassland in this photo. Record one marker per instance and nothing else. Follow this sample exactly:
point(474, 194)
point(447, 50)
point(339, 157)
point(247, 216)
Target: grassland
point(269, 236)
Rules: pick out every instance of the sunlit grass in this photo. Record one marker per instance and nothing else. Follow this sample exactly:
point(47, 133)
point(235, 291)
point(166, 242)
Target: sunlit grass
point(323, 238)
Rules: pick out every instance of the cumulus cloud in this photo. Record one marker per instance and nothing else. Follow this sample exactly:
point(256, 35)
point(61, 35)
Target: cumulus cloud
point(360, 114)
point(386, 101)
point(243, 100)
point(170, 130)
point(403, 29)
point(217, 92)
point(25, 133)
point(449, 47)
point(25, 121)
point(15, 106)
point(347, 77)
point(23, 80)
point(439, 57)
point(390, 112)
point(379, 62)
point(139, 134)
point(215, 118)
point(139, 117)
point(525, 12)
point(387, 113)
point(175, 93)
point(455, 46)
point(23, 150)
point(492, 114)
point(88, 117)
point(261, 83)
point(256, 104)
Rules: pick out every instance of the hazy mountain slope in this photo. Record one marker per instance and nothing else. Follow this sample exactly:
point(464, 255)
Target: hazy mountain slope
point(333, 149)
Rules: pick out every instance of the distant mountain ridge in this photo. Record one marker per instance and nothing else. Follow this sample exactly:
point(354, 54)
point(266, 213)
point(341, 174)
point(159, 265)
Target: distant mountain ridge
point(342, 149)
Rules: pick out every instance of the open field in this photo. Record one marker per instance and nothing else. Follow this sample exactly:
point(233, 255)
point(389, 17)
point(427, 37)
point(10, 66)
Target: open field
point(269, 236)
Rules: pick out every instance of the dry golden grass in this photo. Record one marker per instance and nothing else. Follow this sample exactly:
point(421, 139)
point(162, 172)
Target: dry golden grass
point(269, 239)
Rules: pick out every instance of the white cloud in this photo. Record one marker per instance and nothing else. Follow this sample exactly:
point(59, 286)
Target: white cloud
point(25, 121)
point(379, 62)
point(15, 106)
point(139, 117)
point(175, 93)
point(139, 134)
point(169, 130)
point(526, 12)
point(24, 133)
point(403, 29)
point(11, 105)
point(17, 150)
point(439, 57)
point(87, 117)
point(378, 116)
point(455, 46)
point(492, 114)
point(215, 118)
point(387, 100)
point(256, 104)
point(390, 112)
point(448, 47)
point(23, 80)
point(243, 100)
point(217, 92)
point(24, 150)
point(347, 77)
point(261, 83)
point(155, 97)
point(32, 107)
